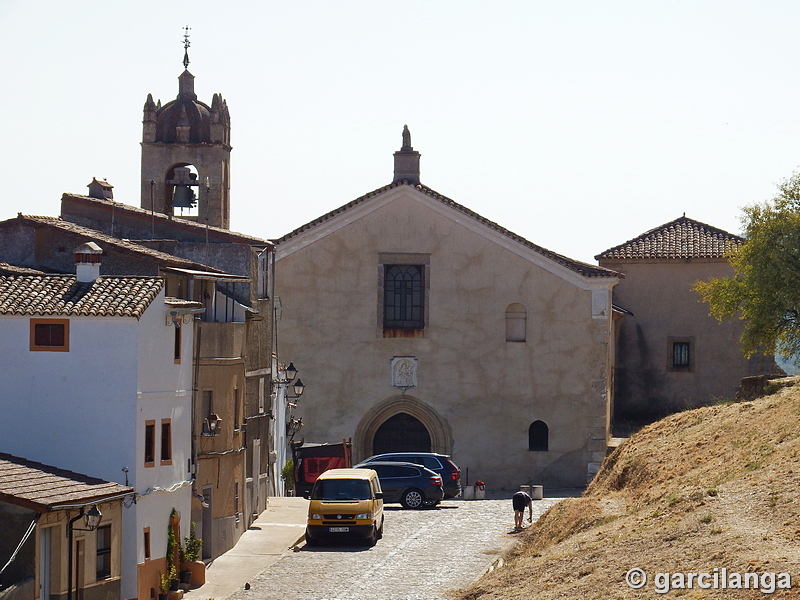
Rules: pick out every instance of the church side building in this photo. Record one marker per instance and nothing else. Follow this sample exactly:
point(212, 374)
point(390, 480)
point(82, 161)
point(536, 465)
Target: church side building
point(427, 327)
point(672, 354)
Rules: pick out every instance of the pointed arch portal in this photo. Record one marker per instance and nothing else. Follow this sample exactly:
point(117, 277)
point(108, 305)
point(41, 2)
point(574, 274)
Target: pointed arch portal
point(401, 433)
point(401, 424)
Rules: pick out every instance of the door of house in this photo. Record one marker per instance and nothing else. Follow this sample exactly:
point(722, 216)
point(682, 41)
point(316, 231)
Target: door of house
point(45, 563)
point(255, 506)
point(80, 567)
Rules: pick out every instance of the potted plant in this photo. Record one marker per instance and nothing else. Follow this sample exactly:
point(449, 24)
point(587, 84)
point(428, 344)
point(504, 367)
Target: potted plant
point(173, 551)
point(163, 586)
point(174, 582)
point(192, 564)
point(287, 474)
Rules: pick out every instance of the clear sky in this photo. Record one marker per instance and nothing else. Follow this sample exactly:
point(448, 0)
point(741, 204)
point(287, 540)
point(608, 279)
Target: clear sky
point(576, 124)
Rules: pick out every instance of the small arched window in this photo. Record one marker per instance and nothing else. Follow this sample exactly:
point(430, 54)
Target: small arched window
point(516, 320)
point(538, 434)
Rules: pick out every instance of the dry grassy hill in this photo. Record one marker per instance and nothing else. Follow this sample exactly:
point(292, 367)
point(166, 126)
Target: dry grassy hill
point(712, 488)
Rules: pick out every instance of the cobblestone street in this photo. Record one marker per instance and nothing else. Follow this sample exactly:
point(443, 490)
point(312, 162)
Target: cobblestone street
point(421, 556)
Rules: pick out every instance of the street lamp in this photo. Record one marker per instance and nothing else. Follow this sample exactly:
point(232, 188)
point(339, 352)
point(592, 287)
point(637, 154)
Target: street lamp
point(298, 388)
point(93, 518)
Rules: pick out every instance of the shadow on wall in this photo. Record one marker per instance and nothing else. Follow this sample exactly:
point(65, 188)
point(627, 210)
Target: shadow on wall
point(552, 475)
point(637, 395)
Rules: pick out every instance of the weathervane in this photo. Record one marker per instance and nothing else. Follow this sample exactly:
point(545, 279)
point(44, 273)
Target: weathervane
point(186, 44)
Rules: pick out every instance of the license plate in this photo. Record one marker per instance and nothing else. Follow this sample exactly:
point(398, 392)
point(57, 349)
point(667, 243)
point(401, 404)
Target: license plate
point(338, 529)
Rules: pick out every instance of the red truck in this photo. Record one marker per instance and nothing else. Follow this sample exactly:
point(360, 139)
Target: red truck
point(311, 460)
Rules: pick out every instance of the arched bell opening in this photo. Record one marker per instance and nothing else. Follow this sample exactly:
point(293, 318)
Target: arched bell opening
point(183, 189)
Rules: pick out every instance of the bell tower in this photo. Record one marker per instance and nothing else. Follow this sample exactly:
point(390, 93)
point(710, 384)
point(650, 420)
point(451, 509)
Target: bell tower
point(186, 153)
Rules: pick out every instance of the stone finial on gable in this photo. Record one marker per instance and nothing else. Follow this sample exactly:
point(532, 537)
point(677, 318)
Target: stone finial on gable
point(406, 161)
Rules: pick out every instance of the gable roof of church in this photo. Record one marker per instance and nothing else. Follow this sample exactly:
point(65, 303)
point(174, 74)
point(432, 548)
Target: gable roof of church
point(584, 269)
point(682, 238)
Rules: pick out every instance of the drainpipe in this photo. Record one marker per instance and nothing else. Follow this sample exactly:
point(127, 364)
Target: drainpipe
point(273, 346)
point(69, 554)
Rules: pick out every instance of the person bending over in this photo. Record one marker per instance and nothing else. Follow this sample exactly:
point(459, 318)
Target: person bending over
point(520, 501)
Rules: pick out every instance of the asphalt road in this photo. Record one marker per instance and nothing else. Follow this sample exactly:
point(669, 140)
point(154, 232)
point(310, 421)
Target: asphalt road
point(423, 554)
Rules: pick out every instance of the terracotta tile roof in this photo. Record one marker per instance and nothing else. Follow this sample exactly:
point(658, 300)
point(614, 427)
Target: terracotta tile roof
point(681, 238)
point(215, 234)
point(117, 243)
point(181, 303)
point(37, 486)
point(63, 295)
point(7, 269)
point(584, 269)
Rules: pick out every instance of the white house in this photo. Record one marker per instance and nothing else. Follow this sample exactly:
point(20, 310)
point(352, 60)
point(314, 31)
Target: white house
point(97, 379)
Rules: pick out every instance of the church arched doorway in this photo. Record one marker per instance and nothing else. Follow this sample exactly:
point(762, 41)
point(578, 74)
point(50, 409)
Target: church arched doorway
point(414, 421)
point(401, 433)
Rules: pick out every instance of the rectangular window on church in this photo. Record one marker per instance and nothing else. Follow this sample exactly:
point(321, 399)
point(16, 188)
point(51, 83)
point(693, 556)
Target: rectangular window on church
point(403, 297)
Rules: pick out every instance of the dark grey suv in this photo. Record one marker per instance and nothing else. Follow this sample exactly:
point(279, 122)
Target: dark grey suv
point(411, 485)
point(438, 463)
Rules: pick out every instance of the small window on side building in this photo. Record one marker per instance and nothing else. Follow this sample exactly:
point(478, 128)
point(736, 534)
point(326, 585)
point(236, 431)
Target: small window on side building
point(681, 355)
point(538, 436)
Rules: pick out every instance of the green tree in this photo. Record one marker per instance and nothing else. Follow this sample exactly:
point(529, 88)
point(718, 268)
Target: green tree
point(765, 287)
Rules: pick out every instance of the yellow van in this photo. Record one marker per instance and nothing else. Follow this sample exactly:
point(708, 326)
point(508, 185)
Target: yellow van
point(345, 503)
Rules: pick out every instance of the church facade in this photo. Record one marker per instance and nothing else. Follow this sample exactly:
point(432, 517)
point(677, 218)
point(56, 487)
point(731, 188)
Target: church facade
point(424, 326)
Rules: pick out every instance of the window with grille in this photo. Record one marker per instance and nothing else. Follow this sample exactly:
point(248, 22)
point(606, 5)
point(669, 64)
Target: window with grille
point(682, 357)
point(403, 297)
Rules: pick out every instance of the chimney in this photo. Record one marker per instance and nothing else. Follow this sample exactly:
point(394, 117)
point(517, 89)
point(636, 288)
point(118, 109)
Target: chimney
point(87, 262)
point(100, 189)
point(406, 161)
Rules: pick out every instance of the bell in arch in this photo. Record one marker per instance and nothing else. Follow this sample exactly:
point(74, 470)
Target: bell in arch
point(183, 197)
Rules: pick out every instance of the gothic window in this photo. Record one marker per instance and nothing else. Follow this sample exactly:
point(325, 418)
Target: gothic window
point(538, 435)
point(516, 322)
point(403, 297)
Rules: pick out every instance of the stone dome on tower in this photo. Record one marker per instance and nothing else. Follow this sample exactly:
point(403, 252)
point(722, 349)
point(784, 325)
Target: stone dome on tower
point(186, 119)
point(187, 144)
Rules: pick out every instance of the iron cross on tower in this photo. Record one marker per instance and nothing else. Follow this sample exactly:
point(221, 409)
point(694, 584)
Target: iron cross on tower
point(186, 44)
